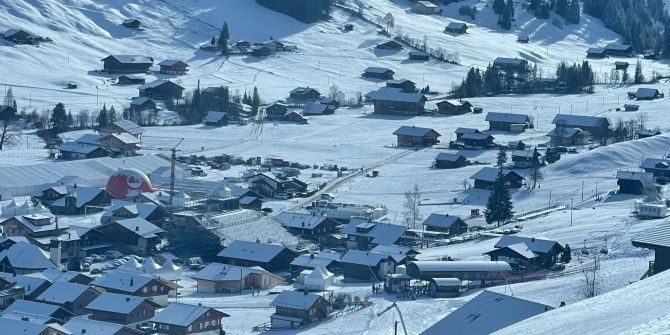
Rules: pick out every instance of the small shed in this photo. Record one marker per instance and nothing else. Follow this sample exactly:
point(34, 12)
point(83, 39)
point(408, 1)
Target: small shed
point(412, 136)
point(348, 27)
point(378, 72)
point(619, 65)
point(523, 39)
point(419, 55)
point(389, 45)
point(444, 287)
point(445, 223)
point(426, 8)
point(216, 119)
point(631, 107)
point(447, 160)
point(644, 133)
point(631, 182)
point(132, 23)
point(456, 28)
point(595, 53)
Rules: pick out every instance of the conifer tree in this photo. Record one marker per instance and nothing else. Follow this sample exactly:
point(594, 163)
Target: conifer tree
point(103, 118)
point(59, 121)
point(255, 101)
point(499, 204)
point(638, 78)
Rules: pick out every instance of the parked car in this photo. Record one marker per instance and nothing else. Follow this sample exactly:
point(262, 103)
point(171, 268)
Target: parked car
point(85, 266)
point(96, 271)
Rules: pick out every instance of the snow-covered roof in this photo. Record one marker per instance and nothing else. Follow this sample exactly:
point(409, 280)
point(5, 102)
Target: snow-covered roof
point(312, 261)
point(378, 70)
point(62, 292)
point(29, 283)
point(84, 196)
point(126, 138)
point(485, 314)
point(247, 200)
point(657, 236)
point(225, 272)
point(139, 101)
point(646, 93)
point(156, 83)
point(381, 233)
point(441, 220)
point(32, 318)
point(300, 220)
point(214, 116)
point(399, 81)
point(419, 53)
point(397, 252)
point(253, 251)
point(11, 326)
point(648, 132)
point(446, 281)
point(32, 307)
point(89, 139)
point(527, 153)
point(427, 4)
point(56, 275)
point(142, 210)
point(475, 136)
point(448, 156)
point(171, 62)
point(303, 90)
point(363, 257)
point(534, 244)
point(182, 315)
point(618, 47)
point(141, 227)
point(315, 109)
point(461, 130)
point(456, 25)
point(116, 303)
point(507, 117)
point(79, 148)
point(578, 120)
point(122, 280)
point(414, 131)
point(320, 273)
point(655, 163)
point(295, 300)
point(635, 175)
point(26, 256)
point(565, 132)
point(132, 59)
point(80, 326)
point(523, 250)
point(462, 266)
point(509, 61)
point(595, 50)
point(27, 221)
point(395, 94)
point(491, 173)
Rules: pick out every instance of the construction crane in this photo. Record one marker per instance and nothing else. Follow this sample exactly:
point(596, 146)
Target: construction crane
point(402, 321)
point(173, 163)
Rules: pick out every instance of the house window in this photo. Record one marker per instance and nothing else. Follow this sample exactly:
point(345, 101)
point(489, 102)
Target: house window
point(144, 290)
point(154, 288)
point(190, 328)
point(472, 317)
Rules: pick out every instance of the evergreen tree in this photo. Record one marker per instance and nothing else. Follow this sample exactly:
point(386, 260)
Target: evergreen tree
point(9, 98)
point(501, 158)
point(638, 78)
point(498, 6)
point(111, 115)
point(70, 119)
point(624, 76)
point(255, 101)
point(59, 120)
point(499, 204)
point(103, 118)
point(507, 16)
point(245, 98)
point(222, 43)
point(562, 7)
point(213, 41)
point(196, 100)
point(573, 12)
point(536, 164)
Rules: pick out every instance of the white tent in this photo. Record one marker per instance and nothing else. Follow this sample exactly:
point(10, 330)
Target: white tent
point(319, 280)
point(150, 266)
point(132, 264)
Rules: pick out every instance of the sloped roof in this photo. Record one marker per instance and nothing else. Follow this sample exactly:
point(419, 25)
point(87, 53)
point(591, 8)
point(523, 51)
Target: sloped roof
point(182, 315)
point(414, 131)
point(307, 261)
point(397, 252)
point(315, 109)
point(57, 275)
point(299, 220)
point(644, 92)
point(485, 314)
point(303, 90)
point(84, 196)
point(461, 130)
point(29, 283)
point(157, 83)
point(363, 257)
point(131, 59)
point(595, 50)
point(395, 94)
point(461, 266)
point(26, 256)
point(507, 117)
point(295, 300)
point(456, 25)
point(655, 163)
point(62, 292)
point(490, 174)
point(122, 280)
point(448, 156)
point(116, 303)
point(32, 307)
point(225, 272)
point(579, 120)
point(253, 251)
point(509, 61)
point(92, 327)
point(215, 116)
point(139, 101)
point(129, 127)
point(475, 136)
point(527, 153)
point(79, 148)
point(648, 132)
point(618, 47)
point(247, 200)
point(141, 227)
point(171, 62)
point(441, 220)
point(446, 281)
point(378, 70)
point(635, 175)
point(534, 244)
point(657, 236)
point(565, 132)
point(10, 326)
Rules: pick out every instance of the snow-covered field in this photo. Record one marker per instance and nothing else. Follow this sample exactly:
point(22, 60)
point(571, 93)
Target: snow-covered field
point(85, 31)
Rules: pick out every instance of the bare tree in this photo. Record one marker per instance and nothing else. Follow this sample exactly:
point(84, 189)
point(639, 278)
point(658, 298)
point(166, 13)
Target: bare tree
point(412, 211)
point(337, 94)
point(387, 22)
point(9, 131)
point(591, 285)
point(83, 119)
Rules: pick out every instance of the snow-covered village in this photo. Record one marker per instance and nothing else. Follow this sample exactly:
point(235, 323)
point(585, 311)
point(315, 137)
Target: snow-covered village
point(371, 167)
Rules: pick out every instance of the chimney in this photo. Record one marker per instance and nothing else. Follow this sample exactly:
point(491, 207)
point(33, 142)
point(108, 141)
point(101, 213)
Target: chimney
point(131, 282)
point(311, 256)
point(532, 239)
point(137, 228)
point(25, 318)
point(83, 331)
point(127, 299)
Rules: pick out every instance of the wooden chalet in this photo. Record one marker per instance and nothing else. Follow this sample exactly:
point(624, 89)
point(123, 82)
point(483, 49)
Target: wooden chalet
point(460, 131)
point(216, 119)
point(619, 50)
point(24, 258)
point(82, 326)
point(454, 107)
point(510, 64)
point(631, 182)
point(303, 95)
point(483, 271)
point(416, 136)
point(394, 101)
point(294, 309)
point(445, 223)
point(447, 160)
point(403, 84)
point(660, 168)
point(378, 73)
point(597, 126)
point(19, 36)
point(644, 93)
point(133, 283)
point(524, 159)
point(477, 141)
point(81, 200)
point(173, 66)
point(122, 309)
point(456, 28)
point(655, 239)
point(307, 225)
point(426, 8)
point(127, 64)
point(389, 45)
point(508, 122)
point(161, 90)
point(419, 56)
point(71, 296)
point(271, 257)
point(270, 185)
point(276, 111)
point(530, 252)
point(136, 235)
point(141, 104)
point(644, 133)
point(366, 265)
point(444, 287)
point(123, 126)
point(130, 80)
point(364, 235)
point(619, 65)
point(79, 150)
point(596, 53)
point(565, 136)
point(226, 278)
point(183, 319)
point(486, 178)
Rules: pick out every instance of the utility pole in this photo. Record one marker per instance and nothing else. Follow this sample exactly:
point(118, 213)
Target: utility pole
point(549, 198)
point(582, 191)
point(571, 206)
